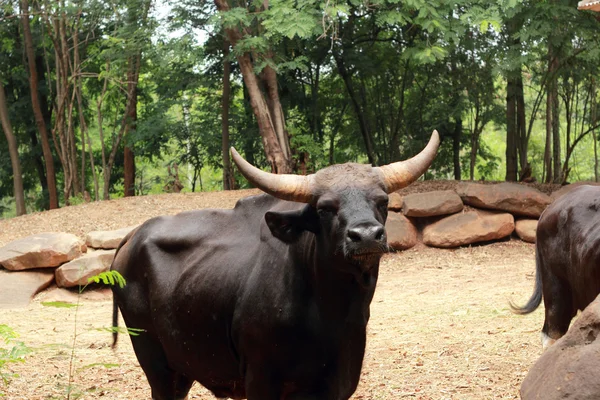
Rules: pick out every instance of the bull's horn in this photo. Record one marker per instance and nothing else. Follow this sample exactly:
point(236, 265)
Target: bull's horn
point(284, 186)
point(402, 173)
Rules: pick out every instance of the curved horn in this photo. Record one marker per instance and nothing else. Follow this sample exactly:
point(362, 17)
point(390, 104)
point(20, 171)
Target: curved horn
point(402, 173)
point(284, 186)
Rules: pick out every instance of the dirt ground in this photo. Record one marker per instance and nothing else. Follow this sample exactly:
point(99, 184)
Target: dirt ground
point(440, 326)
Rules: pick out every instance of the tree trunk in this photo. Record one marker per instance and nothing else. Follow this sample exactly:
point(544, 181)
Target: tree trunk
point(266, 117)
point(228, 183)
point(39, 119)
point(548, 146)
point(556, 154)
point(456, 136)
point(129, 157)
point(273, 150)
point(13, 150)
point(511, 130)
point(362, 122)
point(522, 139)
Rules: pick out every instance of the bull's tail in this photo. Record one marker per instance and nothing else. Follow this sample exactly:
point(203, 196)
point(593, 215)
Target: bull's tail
point(536, 298)
point(115, 323)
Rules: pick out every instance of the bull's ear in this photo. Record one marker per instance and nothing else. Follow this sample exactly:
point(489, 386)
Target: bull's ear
point(287, 226)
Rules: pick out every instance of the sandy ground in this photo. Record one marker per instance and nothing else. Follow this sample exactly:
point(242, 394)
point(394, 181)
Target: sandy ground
point(440, 326)
point(440, 329)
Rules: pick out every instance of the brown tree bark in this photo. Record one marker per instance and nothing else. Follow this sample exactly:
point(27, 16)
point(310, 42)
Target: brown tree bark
point(128, 156)
point(511, 129)
point(556, 153)
point(547, 177)
point(228, 183)
point(13, 151)
point(522, 138)
point(265, 118)
point(456, 136)
point(39, 119)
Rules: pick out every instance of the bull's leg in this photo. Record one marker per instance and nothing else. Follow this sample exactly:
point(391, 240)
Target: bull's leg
point(165, 383)
point(559, 310)
point(260, 384)
point(183, 384)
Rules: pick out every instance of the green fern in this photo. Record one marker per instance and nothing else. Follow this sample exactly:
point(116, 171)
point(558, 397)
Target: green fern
point(108, 278)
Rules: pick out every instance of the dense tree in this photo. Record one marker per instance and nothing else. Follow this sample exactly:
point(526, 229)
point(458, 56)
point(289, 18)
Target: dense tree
point(138, 96)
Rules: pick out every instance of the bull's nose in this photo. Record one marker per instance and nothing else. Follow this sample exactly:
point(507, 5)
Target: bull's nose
point(370, 233)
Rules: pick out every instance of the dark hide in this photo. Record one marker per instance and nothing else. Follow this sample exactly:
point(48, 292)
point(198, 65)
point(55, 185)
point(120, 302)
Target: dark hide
point(268, 301)
point(567, 259)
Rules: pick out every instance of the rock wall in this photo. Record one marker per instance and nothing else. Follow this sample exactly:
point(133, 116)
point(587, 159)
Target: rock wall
point(458, 215)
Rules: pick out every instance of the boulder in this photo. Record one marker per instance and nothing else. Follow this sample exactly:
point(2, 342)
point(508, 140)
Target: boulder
point(467, 228)
point(567, 188)
point(526, 228)
point(570, 368)
point(77, 272)
point(107, 239)
point(395, 202)
point(18, 288)
point(401, 232)
point(511, 197)
point(43, 250)
point(431, 204)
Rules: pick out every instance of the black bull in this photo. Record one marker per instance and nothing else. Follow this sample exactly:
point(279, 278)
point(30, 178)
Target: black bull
point(567, 254)
point(269, 300)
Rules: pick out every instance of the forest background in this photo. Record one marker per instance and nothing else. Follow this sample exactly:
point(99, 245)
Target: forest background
point(103, 98)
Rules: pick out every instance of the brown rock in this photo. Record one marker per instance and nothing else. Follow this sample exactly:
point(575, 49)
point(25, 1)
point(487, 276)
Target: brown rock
point(567, 188)
point(526, 229)
point(78, 271)
point(467, 228)
point(511, 197)
point(401, 232)
point(107, 239)
point(41, 251)
point(570, 368)
point(395, 202)
point(18, 288)
point(431, 204)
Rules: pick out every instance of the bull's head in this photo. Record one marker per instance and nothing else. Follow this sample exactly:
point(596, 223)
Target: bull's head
point(346, 203)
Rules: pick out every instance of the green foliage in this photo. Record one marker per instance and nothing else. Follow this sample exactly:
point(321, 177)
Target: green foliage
point(59, 304)
point(108, 278)
point(410, 67)
point(11, 351)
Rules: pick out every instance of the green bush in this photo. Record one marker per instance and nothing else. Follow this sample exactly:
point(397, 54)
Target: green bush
point(11, 351)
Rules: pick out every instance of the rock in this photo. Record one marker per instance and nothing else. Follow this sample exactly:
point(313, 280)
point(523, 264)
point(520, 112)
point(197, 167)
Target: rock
point(467, 228)
point(18, 288)
point(107, 239)
point(401, 232)
point(78, 271)
point(570, 368)
point(395, 202)
point(431, 204)
point(41, 251)
point(567, 188)
point(511, 197)
point(526, 228)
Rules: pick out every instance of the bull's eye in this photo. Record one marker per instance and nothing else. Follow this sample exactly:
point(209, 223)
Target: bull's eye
point(328, 207)
point(382, 204)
